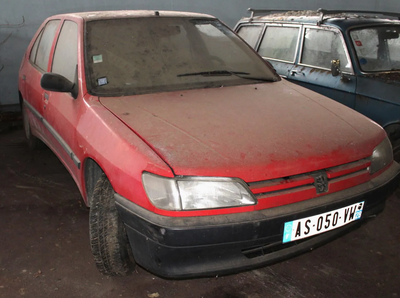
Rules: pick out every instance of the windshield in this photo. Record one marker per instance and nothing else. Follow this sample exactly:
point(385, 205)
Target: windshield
point(148, 55)
point(378, 48)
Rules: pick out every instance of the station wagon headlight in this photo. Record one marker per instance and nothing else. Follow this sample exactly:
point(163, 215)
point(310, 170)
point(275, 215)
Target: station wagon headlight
point(195, 193)
point(382, 156)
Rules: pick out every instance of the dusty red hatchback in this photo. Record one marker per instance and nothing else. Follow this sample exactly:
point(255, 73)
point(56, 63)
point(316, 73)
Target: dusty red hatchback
point(194, 157)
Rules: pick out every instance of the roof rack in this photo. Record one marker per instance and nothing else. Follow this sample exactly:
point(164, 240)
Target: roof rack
point(255, 12)
point(322, 12)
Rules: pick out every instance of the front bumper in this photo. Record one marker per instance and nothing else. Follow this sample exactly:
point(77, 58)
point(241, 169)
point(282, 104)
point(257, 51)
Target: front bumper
point(177, 247)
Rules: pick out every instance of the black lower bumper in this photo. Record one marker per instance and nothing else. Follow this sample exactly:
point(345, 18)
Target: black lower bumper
point(214, 245)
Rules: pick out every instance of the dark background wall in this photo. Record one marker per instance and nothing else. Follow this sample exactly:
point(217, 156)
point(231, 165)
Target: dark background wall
point(19, 20)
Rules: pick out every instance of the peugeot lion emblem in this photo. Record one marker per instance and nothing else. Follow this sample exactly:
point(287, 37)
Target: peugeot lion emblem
point(321, 182)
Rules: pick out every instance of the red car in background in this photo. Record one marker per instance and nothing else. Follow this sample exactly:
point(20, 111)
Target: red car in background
point(194, 157)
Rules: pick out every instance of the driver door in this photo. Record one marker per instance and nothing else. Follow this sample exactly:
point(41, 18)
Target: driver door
point(61, 109)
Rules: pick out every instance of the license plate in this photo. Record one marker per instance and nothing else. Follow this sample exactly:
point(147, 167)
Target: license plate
point(317, 224)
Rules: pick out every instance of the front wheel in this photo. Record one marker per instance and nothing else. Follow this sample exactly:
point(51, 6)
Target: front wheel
point(108, 239)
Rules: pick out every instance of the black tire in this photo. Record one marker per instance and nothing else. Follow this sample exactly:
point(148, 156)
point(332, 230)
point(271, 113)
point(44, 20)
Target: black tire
point(396, 150)
point(393, 132)
point(108, 239)
point(32, 141)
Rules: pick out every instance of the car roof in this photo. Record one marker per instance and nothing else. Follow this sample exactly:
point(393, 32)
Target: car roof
point(119, 14)
point(342, 20)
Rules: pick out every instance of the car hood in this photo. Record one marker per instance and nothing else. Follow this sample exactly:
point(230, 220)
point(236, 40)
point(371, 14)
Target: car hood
point(254, 132)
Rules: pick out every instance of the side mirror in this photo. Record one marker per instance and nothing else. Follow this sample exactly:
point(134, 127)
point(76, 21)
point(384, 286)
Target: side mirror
point(58, 83)
point(335, 67)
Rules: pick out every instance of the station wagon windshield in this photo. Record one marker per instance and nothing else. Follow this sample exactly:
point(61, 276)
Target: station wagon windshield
point(148, 55)
point(377, 48)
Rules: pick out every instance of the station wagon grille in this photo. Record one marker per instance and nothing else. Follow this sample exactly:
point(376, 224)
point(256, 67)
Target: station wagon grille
point(287, 190)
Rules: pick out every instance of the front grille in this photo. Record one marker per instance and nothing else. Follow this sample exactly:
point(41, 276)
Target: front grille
point(287, 190)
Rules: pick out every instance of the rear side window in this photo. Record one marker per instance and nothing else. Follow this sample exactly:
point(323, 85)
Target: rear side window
point(66, 52)
point(250, 34)
point(35, 47)
point(280, 43)
point(321, 47)
point(42, 54)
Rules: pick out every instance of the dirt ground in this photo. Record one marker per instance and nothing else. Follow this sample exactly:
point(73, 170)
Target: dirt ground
point(45, 252)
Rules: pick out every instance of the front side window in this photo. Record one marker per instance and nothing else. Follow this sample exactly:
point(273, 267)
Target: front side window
point(279, 43)
point(45, 44)
point(66, 52)
point(250, 34)
point(148, 55)
point(320, 47)
point(377, 48)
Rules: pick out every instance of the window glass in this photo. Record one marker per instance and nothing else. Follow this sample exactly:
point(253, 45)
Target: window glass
point(35, 47)
point(279, 43)
point(378, 48)
point(44, 48)
point(148, 55)
point(217, 40)
point(250, 34)
point(66, 52)
point(321, 47)
point(394, 52)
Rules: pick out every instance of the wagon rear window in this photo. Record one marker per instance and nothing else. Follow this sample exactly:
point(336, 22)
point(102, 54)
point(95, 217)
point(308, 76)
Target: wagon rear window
point(250, 34)
point(279, 43)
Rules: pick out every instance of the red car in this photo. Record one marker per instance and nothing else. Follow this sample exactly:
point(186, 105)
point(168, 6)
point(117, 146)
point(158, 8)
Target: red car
point(194, 157)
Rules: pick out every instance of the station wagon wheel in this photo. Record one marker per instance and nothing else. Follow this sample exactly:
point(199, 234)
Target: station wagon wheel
point(396, 150)
point(108, 238)
point(33, 142)
point(393, 132)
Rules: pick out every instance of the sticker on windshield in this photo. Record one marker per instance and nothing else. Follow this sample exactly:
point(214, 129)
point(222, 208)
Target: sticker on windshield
point(102, 81)
point(358, 43)
point(97, 58)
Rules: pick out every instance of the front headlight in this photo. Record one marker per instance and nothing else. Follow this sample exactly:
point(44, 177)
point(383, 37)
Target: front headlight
point(382, 156)
point(195, 193)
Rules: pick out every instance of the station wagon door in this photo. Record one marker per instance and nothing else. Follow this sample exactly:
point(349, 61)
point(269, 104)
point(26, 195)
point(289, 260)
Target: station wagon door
point(279, 45)
point(319, 47)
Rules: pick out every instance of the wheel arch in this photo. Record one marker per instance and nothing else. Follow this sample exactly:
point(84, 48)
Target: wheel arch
point(392, 130)
point(92, 172)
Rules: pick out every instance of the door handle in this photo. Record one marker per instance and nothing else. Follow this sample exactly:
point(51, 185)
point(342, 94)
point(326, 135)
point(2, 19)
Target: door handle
point(296, 72)
point(46, 96)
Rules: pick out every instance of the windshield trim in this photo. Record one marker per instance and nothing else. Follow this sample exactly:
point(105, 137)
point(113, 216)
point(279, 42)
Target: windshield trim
point(176, 87)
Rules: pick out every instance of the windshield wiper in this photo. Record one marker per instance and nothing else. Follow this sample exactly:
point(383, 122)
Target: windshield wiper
point(240, 74)
point(213, 73)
